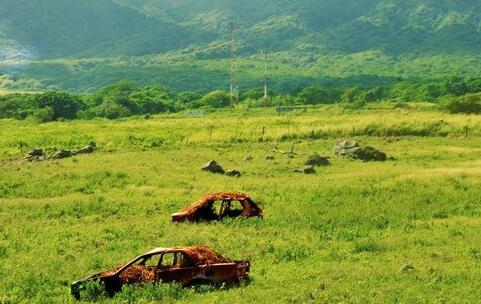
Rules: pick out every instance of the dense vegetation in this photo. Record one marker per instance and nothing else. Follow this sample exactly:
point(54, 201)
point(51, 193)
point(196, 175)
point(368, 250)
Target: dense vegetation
point(144, 80)
point(125, 99)
point(85, 45)
point(403, 231)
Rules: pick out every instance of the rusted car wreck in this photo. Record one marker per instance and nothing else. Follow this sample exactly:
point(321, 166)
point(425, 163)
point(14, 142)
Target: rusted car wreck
point(230, 204)
point(187, 266)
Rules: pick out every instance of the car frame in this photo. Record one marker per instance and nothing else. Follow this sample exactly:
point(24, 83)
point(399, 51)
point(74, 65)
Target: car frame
point(203, 210)
point(190, 266)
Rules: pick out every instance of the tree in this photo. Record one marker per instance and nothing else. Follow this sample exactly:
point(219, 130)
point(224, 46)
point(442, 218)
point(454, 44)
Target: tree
point(188, 100)
point(351, 95)
point(315, 95)
point(63, 105)
point(468, 104)
point(216, 99)
point(455, 86)
point(112, 110)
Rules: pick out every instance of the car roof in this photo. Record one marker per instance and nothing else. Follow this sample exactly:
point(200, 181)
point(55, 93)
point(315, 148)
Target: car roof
point(196, 253)
point(162, 250)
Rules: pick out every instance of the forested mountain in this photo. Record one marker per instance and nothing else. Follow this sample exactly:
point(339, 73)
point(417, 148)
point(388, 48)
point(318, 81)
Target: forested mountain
point(315, 35)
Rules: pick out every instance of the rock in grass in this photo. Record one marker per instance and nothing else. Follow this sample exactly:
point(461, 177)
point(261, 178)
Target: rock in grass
point(306, 170)
point(248, 158)
point(369, 153)
point(233, 173)
point(61, 154)
point(270, 157)
point(352, 149)
point(346, 148)
point(317, 160)
point(35, 152)
point(90, 148)
point(213, 167)
point(35, 155)
point(407, 268)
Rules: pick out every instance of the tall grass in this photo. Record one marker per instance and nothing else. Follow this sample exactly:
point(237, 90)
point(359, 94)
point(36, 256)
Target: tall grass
point(341, 235)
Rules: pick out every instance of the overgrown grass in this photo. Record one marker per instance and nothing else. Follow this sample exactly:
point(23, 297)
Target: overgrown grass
point(342, 235)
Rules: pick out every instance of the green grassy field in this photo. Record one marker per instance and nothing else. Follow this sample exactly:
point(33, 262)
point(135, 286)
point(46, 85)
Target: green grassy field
point(403, 231)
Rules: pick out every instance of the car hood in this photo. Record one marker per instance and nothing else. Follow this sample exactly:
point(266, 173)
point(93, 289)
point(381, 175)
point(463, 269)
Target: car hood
point(179, 216)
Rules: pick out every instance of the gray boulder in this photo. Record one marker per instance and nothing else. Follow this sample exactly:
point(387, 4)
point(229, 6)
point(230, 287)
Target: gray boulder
point(61, 154)
point(35, 155)
point(35, 152)
point(369, 153)
point(352, 149)
point(90, 148)
point(213, 167)
point(346, 148)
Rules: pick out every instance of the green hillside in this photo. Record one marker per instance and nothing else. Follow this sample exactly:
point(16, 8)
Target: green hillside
point(178, 43)
point(65, 28)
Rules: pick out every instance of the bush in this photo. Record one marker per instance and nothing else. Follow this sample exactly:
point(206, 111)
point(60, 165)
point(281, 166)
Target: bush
point(63, 105)
point(112, 110)
point(216, 99)
point(468, 104)
point(316, 95)
point(44, 115)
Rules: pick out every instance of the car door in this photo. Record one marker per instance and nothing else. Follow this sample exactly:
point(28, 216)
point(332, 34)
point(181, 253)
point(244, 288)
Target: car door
point(175, 267)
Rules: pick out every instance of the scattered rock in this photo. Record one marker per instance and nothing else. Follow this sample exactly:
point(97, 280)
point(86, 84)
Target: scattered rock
point(35, 155)
point(213, 167)
point(346, 148)
point(90, 148)
point(369, 153)
point(36, 152)
point(248, 158)
point(61, 154)
point(233, 173)
point(306, 170)
point(352, 149)
point(270, 157)
point(407, 268)
point(317, 160)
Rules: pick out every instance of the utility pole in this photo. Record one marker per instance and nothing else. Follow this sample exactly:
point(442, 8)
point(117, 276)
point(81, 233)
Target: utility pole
point(266, 80)
point(234, 87)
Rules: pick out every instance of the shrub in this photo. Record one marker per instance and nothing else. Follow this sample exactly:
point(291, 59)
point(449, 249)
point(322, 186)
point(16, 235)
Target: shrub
point(468, 104)
point(216, 99)
point(63, 105)
point(44, 115)
point(112, 110)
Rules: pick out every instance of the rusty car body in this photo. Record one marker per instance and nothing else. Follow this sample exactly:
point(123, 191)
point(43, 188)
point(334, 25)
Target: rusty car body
point(232, 204)
point(185, 265)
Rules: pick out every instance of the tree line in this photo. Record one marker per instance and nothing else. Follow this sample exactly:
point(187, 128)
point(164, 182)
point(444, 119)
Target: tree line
point(123, 99)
